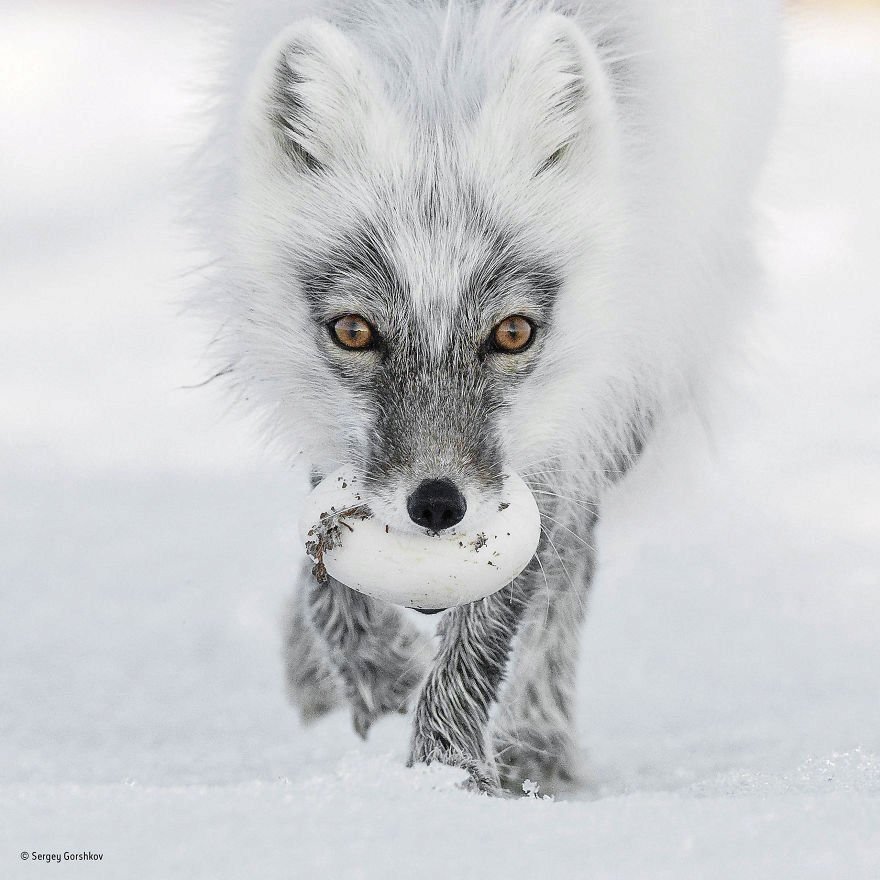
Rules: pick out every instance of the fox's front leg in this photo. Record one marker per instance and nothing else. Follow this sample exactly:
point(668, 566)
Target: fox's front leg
point(451, 722)
point(340, 637)
point(379, 656)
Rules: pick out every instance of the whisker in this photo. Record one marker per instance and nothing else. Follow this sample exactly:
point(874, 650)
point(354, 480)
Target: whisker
point(586, 544)
point(564, 569)
point(588, 505)
point(546, 585)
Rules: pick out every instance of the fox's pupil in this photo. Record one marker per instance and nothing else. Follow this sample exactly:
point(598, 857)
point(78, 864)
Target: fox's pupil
point(513, 334)
point(352, 331)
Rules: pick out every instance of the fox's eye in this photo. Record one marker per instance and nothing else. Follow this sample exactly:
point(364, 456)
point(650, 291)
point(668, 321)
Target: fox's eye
point(353, 331)
point(513, 334)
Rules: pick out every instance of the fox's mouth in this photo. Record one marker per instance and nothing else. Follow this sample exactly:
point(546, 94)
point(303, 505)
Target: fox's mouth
point(348, 538)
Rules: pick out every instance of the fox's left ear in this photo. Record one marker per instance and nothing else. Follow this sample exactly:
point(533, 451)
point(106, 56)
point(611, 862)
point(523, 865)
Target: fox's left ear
point(315, 101)
point(553, 104)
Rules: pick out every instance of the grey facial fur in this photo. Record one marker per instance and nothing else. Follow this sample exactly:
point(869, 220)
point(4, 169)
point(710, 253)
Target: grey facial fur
point(432, 402)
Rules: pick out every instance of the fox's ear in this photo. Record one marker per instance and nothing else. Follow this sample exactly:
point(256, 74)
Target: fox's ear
point(553, 102)
point(314, 98)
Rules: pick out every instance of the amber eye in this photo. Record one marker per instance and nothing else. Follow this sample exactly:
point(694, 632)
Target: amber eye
point(513, 334)
point(353, 331)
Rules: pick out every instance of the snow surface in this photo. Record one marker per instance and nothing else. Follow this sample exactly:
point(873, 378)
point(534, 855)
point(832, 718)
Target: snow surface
point(729, 704)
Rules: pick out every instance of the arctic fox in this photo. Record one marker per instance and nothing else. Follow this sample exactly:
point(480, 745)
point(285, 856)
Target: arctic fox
point(459, 237)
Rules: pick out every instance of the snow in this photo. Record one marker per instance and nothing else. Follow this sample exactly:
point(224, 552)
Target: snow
point(729, 705)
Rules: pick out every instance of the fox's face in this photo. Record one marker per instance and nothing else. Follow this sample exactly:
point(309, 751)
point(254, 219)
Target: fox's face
point(412, 265)
point(429, 355)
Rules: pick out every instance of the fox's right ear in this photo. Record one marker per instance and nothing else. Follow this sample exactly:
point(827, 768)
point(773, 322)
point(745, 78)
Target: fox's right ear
point(552, 105)
point(314, 98)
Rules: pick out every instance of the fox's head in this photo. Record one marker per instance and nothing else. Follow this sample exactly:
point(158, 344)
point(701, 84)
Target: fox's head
point(424, 234)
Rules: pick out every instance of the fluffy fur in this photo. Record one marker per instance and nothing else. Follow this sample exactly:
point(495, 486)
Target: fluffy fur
point(437, 166)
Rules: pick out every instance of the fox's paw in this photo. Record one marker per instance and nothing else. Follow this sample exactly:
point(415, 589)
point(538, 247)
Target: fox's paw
point(482, 775)
point(381, 696)
point(549, 759)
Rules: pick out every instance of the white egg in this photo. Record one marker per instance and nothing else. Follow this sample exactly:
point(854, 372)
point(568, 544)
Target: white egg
point(417, 569)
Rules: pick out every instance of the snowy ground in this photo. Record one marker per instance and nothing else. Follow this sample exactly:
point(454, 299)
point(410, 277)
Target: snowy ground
point(730, 709)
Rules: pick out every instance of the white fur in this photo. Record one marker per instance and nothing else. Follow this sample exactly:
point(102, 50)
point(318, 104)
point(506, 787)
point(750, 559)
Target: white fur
point(649, 207)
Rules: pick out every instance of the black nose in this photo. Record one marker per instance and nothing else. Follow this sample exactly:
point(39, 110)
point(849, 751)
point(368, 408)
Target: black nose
point(436, 505)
